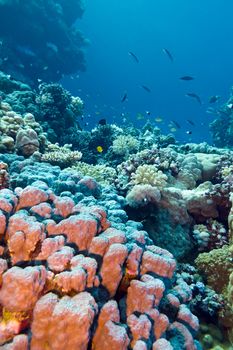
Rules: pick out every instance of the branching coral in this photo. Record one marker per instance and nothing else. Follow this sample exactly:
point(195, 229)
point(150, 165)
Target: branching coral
point(62, 156)
point(100, 172)
point(124, 145)
point(149, 175)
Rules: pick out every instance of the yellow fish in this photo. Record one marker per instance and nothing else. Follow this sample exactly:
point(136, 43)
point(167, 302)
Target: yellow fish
point(99, 149)
point(173, 130)
point(158, 119)
point(97, 113)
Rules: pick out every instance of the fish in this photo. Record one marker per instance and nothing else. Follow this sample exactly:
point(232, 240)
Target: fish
point(146, 88)
point(190, 122)
point(133, 56)
point(25, 50)
point(168, 53)
point(124, 97)
point(173, 129)
point(159, 119)
point(186, 77)
point(99, 149)
point(214, 98)
point(102, 121)
point(176, 124)
point(52, 47)
point(148, 112)
point(189, 132)
point(211, 110)
point(193, 95)
point(140, 116)
point(230, 106)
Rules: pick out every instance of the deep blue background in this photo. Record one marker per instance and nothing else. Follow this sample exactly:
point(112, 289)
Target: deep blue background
point(197, 32)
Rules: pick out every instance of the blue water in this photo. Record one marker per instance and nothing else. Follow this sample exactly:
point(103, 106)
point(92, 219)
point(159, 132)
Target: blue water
point(198, 33)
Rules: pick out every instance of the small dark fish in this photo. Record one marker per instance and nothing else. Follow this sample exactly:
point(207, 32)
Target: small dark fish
point(189, 132)
point(102, 122)
point(124, 97)
point(176, 124)
point(186, 77)
point(230, 106)
point(133, 56)
point(168, 53)
point(146, 88)
point(193, 95)
point(148, 112)
point(214, 98)
point(190, 122)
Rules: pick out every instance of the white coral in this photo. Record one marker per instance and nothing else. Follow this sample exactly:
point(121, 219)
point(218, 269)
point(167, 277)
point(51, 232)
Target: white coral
point(149, 175)
point(125, 144)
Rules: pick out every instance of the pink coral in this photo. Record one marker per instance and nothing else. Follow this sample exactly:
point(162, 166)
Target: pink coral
point(110, 283)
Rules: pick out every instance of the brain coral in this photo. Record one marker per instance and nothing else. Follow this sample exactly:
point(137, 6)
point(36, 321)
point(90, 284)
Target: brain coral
point(70, 280)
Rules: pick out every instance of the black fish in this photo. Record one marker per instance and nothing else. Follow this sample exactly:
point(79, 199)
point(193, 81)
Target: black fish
point(186, 77)
point(176, 124)
point(190, 122)
point(124, 97)
point(102, 122)
point(193, 95)
point(189, 132)
point(133, 56)
point(146, 88)
point(214, 98)
point(168, 53)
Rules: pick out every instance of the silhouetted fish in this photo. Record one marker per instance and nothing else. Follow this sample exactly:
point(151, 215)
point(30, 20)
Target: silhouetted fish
point(190, 122)
point(133, 56)
point(186, 77)
point(168, 53)
point(124, 97)
point(102, 122)
point(146, 88)
point(193, 95)
point(25, 50)
point(176, 124)
point(214, 98)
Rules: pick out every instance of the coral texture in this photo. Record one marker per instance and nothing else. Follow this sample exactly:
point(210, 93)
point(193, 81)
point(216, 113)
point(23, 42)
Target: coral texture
point(114, 289)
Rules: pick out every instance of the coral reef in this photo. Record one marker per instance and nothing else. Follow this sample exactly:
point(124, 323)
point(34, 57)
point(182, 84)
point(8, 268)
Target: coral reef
point(221, 128)
point(123, 249)
point(54, 46)
point(113, 285)
point(61, 156)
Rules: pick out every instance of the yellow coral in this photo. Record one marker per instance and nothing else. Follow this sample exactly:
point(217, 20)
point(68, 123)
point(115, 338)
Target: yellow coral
point(101, 173)
point(216, 266)
point(149, 175)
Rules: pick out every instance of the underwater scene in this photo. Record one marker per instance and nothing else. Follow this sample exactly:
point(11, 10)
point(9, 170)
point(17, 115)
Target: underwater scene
point(116, 175)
